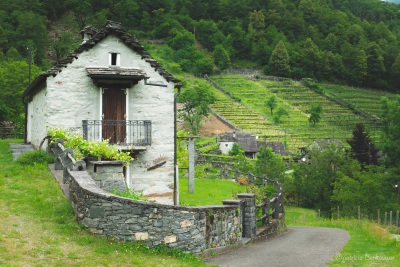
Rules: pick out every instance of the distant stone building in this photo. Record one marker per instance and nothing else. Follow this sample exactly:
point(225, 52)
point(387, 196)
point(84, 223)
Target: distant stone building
point(246, 140)
point(111, 88)
point(249, 143)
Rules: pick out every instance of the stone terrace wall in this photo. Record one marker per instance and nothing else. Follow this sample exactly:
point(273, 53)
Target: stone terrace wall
point(191, 229)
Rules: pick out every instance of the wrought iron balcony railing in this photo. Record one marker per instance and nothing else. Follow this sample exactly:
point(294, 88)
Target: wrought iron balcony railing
point(118, 132)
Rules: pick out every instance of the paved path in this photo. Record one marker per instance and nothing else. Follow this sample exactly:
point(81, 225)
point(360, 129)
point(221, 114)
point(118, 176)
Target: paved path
point(299, 247)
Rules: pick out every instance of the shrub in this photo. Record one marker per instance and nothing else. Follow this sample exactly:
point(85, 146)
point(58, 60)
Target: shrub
point(35, 157)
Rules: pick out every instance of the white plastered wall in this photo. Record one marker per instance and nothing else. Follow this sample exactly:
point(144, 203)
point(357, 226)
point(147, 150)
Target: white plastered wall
point(71, 97)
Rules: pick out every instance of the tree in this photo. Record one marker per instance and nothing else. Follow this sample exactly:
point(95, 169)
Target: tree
point(311, 58)
point(356, 188)
point(269, 163)
point(391, 129)
point(256, 25)
point(236, 150)
point(362, 147)
point(376, 67)
point(195, 102)
point(315, 113)
point(271, 103)
point(312, 184)
point(279, 113)
point(82, 11)
point(395, 73)
point(279, 61)
point(62, 44)
point(13, 80)
point(221, 57)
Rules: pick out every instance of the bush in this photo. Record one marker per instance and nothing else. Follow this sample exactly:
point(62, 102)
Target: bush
point(35, 157)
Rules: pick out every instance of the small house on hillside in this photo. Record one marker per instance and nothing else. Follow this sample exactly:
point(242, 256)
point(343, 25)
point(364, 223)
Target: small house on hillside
point(319, 144)
point(111, 88)
point(277, 147)
point(249, 143)
point(246, 140)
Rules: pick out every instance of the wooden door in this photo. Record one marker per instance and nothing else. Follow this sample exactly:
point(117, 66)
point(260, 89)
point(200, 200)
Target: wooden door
point(114, 110)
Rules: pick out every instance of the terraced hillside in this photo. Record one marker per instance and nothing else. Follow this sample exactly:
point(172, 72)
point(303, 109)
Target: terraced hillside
point(337, 121)
point(364, 99)
point(243, 117)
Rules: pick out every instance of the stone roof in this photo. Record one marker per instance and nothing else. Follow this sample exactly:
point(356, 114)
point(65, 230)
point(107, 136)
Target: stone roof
point(109, 28)
point(246, 140)
point(277, 147)
point(99, 71)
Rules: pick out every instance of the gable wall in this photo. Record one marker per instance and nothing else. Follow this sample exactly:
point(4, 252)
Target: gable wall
point(74, 97)
point(36, 119)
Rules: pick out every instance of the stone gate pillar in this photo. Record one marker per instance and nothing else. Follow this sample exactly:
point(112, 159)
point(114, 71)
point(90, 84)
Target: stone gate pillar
point(249, 215)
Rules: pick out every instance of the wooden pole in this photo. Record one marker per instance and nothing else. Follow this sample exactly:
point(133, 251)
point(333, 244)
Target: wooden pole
point(191, 164)
point(397, 218)
point(359, 213)
point(338, 215)
point(390, 216)
point(385, 217)
point(379, 216)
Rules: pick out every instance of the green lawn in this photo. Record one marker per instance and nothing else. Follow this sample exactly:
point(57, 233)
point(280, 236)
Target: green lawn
point(38, 227)
point(208, 191)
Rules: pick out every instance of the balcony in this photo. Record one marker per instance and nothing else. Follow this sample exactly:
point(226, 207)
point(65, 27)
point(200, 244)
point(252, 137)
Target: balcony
point(130, 133)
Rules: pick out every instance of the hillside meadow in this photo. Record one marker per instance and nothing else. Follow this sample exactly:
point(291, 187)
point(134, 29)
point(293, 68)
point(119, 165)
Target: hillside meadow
point(38, 227)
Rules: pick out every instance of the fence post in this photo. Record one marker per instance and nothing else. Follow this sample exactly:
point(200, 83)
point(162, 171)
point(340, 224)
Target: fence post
point(281, 208)
point(191, 164)
point(338, 214)
point(359, 215)
point(250, 178)
point(265, 211)
point(397, 218)
point(390, 220)
point(264, 179)
point(275, 206)
point(379, 216)
point(385, 217)
point(249, 215)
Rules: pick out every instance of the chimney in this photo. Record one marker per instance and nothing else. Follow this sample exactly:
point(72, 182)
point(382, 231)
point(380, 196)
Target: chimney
point(87, 33)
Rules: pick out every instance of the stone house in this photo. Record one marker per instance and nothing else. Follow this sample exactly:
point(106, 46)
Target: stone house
point(249, 143)
point(246, 140)
point(318, 144)
point(111, 88)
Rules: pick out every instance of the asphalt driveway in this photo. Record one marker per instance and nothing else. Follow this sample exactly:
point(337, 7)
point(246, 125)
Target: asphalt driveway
point(300, 246)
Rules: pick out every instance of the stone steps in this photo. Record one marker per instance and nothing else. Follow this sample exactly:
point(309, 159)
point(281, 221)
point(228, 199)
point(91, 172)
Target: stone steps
point(19, 149)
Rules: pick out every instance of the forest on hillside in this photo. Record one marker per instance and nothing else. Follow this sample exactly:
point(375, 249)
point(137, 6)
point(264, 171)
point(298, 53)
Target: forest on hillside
point(355, 43)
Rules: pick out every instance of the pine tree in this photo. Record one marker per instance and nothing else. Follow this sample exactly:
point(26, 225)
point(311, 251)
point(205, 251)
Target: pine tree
point(279, 61)
point(362, 147)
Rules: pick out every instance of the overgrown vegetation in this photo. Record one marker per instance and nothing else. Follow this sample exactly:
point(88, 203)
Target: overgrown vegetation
point(35, 157)
point(82, 148)
point(130, 194)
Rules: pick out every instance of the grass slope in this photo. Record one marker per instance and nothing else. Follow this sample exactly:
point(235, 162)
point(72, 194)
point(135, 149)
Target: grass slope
point(38, 227)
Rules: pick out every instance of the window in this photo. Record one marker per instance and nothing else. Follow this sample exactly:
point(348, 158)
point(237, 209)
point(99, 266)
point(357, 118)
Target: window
point(114, 59)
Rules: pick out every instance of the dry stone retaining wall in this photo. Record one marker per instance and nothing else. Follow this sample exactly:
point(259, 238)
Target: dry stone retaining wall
point(191, 229)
